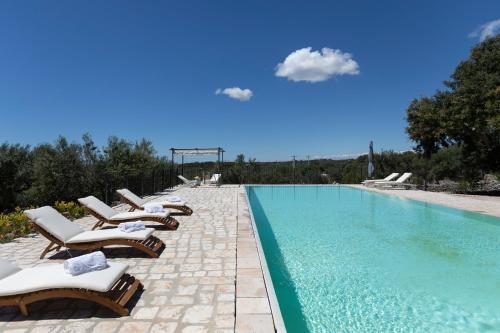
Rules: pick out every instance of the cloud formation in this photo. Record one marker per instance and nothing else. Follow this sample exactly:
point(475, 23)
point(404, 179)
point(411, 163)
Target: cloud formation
point(488, 29)
point(236, 93)
point(316, 66)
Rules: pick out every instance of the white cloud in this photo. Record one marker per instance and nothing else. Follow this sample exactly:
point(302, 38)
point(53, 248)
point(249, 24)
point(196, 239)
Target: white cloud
point(488, 29)
point(316, 66)
point(236, 93)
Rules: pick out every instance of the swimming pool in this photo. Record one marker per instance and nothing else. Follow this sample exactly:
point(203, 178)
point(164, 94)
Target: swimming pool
point(347, 260)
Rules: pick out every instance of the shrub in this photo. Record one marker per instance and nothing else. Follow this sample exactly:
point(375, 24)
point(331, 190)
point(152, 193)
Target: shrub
point(14, 225)
point(70, 209)
point(464, 186)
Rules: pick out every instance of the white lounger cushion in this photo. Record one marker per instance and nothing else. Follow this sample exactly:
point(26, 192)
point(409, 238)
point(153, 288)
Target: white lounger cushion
point(386, 179)
point(141, 202)
point(114, 233)
point(98, 206)
point(400, 180)
point(184, 179)
point(7, 268)
point(52, 276)
point(54, 222)
point(129, 195)
point(109, 213)
point(137, 214)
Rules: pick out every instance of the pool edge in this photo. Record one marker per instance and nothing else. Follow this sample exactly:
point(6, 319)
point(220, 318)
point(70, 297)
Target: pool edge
point(279, 324)
point(429, 199)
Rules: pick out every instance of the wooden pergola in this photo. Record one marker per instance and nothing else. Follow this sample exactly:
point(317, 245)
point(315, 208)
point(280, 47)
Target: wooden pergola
point(195, 152)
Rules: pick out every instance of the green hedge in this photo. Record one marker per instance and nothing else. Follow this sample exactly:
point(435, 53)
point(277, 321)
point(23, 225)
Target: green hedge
point(16, 224)
point(70, 209)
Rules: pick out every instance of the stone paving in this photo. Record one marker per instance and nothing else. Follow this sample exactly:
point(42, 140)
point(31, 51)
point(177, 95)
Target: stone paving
point(208, 278)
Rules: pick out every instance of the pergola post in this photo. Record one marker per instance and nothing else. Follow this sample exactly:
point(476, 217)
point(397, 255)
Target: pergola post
point(172, 168)
point(222, 166)
point(218, 159)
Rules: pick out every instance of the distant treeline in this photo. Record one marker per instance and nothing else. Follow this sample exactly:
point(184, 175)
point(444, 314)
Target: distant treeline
point(446, 164)
point(32, 176)
point(66, 171)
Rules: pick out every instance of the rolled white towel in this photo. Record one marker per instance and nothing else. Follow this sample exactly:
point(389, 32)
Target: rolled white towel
point(173, 198)
point(131, 226)
point(94, 261)
point(153, 207)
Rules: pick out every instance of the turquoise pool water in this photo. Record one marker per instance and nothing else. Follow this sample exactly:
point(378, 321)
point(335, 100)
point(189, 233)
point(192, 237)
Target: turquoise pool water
point(347, 260)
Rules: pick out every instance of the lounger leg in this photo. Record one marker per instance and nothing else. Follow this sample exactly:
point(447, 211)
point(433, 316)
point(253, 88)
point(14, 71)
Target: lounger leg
point(23, 308)
point(188, 211)
point(97, 225)
point(149, 251)
point(48, 249)
point(172, 223)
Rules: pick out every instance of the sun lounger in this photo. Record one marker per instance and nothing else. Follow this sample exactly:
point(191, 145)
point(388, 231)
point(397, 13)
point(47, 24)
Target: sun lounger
point(135, 202)
point(369, 182)
point(397, 184)
point(214, 180)
point(110, 287)
point(106, 214)
point(186, 182)
point(61, 232)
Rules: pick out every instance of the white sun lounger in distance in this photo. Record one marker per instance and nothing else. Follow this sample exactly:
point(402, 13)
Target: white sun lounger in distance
point(136, 202)
point(397, 184)
point(214, 180)
point(369, 182)
point(186, 182)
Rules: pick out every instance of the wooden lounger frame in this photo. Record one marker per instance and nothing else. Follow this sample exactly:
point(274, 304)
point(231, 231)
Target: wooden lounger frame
point(114, 299)
point(169, 221)
point(185, 210)
point(151, 246)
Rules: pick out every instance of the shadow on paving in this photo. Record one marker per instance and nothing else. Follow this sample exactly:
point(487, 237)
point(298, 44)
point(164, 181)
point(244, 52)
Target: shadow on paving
point(116, 252)
point(62, 309)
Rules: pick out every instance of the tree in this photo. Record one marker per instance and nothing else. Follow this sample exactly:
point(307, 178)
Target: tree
point(473, 116)
point(240, 159)
point(143, 161)
point(58, 172)
point(15, 174)
point(425, 127)
point(67, 171)
point(94, 165)
point(467, 114)
point(447, 163)
point(118, 157)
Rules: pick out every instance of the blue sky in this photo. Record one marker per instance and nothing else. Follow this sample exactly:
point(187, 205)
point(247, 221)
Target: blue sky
point(152, 68)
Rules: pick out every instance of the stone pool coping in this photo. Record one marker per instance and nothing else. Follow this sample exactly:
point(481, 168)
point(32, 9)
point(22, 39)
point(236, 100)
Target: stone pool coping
point(473, 203)
point(279, 324)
